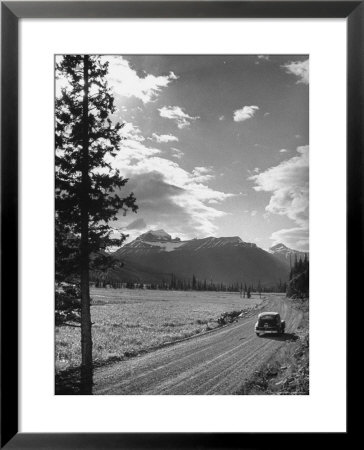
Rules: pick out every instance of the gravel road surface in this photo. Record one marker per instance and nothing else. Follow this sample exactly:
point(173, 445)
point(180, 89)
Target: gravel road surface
point(215, 363)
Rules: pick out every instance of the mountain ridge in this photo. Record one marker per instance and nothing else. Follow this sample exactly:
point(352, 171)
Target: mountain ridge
point(159, 240)
point(219, 259)
point(287, 254)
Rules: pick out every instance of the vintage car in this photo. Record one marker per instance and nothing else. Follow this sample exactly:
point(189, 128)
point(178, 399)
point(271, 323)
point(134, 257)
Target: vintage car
point(269, 322)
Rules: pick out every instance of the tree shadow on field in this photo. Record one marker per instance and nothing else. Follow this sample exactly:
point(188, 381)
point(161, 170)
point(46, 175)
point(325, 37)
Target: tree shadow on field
point(291, 337)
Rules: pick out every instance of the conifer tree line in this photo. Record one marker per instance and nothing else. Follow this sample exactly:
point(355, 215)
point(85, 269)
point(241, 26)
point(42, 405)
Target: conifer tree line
point(191, 284)
point(88, 189)
point(299, 280)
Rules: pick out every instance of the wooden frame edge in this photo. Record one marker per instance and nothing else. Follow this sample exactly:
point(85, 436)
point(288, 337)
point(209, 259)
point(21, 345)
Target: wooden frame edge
point(9, 225)
point(183, 9)
point(11, 13)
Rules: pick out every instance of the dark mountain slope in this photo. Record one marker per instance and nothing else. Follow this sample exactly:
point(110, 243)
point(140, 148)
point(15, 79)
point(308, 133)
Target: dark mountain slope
point(227, 260)
point(286, 254)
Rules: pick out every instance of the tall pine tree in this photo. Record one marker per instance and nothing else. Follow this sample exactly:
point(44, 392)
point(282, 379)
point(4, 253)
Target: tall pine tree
point(87, 186)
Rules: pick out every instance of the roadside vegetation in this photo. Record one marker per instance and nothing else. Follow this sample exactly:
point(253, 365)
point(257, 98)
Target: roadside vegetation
point(299, 279)
point(130, 322)
point(287, 371)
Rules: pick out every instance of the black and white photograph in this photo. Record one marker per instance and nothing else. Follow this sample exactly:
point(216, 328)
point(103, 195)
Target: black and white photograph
point(181, 224)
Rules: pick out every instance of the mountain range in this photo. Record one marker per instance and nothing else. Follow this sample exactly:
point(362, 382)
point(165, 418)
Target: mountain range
point(154, 256)
point(286, 254)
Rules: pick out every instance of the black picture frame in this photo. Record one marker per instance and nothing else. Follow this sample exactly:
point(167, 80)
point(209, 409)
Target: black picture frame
point(11, 13)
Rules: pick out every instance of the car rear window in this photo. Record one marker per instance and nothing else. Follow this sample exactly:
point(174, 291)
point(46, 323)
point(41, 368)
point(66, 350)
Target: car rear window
point(269, 318)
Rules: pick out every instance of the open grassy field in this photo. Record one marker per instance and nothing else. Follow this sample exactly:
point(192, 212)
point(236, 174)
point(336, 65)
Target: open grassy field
point(127, 322)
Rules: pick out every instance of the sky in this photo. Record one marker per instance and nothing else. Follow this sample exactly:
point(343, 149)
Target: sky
point(215, 145)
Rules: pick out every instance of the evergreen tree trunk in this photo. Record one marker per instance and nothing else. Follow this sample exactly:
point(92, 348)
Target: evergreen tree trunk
point(86, 201)
point(86, 337)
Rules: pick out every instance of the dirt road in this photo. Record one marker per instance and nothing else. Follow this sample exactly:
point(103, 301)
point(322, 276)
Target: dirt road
point(215, 363)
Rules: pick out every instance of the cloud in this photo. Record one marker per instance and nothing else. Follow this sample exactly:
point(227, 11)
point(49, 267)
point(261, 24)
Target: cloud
point(169, 196)
point(222, 117)
point(253, 171)
point(245, 113)
point(172, 198)
point(177, 153)
point(138, 224)
point(288, 183)
point(254, 213)
point(132, 147)
point(262, 58)
point(202, 174)
point(176, 113)
point(283, 150)
point(162, 138)
point(296, 238)
point(126, 81)
point(300, 69)
point(131, 132)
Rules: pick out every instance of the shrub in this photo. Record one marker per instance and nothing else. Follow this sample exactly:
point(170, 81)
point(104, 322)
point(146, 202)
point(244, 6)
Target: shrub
point(67, 304)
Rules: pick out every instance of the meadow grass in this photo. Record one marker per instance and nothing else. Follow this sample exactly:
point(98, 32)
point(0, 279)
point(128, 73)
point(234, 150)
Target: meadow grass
point(127, 322)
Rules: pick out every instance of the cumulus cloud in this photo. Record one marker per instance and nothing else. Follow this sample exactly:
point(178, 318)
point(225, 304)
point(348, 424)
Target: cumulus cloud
point(163, 138)
point(138, 224)
point(174, 199)
point(253, 171)
point(262, 58)
point(128, 83)
point(245, 113)
point(288, 183)
point(300, 69)
point(177, 114)
point(202, 174)
point(296, 238)
point(132, 147)
point(177, 153)
point(169, 196)
point(283, 150)
point(132, 132)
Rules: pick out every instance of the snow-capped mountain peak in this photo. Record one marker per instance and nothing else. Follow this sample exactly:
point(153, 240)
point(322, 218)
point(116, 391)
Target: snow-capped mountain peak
point(285, 253)
point(160, 241)
point(278, 248)
point(155, 235)
point(213, 242)
point(157, 255)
